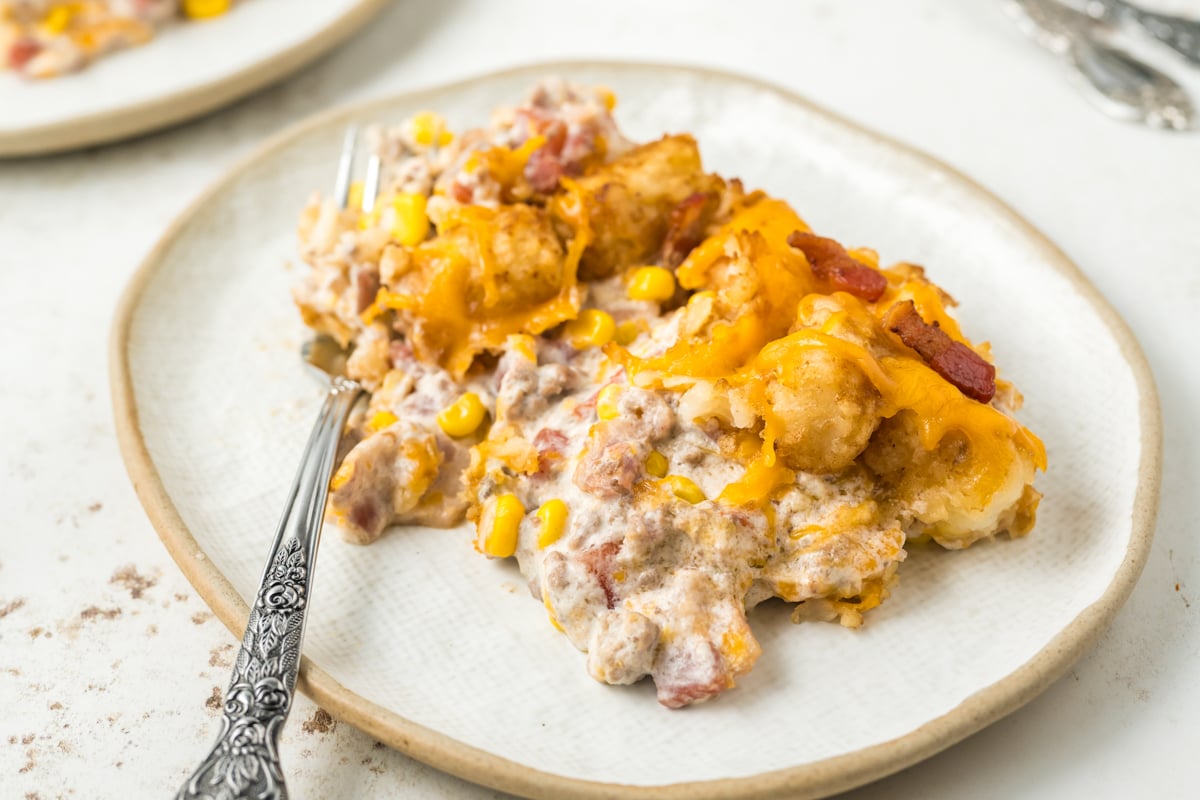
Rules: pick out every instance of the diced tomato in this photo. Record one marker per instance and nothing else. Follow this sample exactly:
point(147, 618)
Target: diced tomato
point(22, 52)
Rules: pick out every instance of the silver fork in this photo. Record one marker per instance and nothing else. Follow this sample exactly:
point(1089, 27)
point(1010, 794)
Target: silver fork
point(244, 761)
point(1119, 84)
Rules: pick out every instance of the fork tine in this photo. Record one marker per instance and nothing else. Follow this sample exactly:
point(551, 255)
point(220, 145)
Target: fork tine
point(341, 189)
point(371, 187)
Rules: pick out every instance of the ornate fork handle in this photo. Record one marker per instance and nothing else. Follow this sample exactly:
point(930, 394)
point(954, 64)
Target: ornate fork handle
point(244, 761)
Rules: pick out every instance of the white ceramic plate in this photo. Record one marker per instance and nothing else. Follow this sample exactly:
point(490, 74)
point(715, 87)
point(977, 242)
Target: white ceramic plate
point(186, 70)
point(436, 650)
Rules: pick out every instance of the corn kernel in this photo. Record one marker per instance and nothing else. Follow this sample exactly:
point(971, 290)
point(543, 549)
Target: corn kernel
point(608, 97)
point(626, 332)
point(381, 420)
point(57, 20)
point(684, 488)
point(652, 283)
point(411, 224)
point(344, 473)
point(354, 195)
point(553, 516)
point(656, 465)
point(606, 402)
point(427, 129)
point(592, 328)
point(462, 417)
point(205, 9)
point(498, 526)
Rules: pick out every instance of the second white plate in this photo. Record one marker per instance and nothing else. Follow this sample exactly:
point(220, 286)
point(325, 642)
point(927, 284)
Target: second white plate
point(187, 70)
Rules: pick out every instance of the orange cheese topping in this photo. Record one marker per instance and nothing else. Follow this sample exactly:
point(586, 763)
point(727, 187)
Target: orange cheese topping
point(765, 305)
point(502, 163)
point(757, 484)
point(456, 324)
point(758, 339)
point(773, 219)
point(508, 447)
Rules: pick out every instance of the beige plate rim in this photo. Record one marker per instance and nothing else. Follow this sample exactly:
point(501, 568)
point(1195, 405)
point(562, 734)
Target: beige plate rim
point(159, 112)
point(808, 780)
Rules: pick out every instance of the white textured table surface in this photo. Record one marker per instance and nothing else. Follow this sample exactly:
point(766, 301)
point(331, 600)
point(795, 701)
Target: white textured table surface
point(109, 663)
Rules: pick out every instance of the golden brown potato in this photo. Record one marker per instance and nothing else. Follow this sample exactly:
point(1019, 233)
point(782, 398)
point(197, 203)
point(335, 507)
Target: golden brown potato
point(828, 313)
point(489, 273)
point(629, 202)
point(829, 409)
point(526, 257)
point(956, 493)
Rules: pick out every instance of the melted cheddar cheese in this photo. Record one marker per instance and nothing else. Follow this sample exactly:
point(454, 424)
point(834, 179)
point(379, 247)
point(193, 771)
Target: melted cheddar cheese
point(458, 306)
point(758, 340)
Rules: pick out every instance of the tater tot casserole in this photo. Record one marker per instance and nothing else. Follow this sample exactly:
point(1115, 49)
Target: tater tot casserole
point(660, 392)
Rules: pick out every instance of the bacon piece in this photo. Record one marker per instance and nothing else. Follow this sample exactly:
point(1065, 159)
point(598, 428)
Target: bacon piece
point(555, 132)
point(545, 166)
point(954, 361)
point(22, 52)
point(543, 170)
point(599, 562)
point(463, 194)
point(686, 227)
point(366, 283)
point(577, 148)
point(830, 262)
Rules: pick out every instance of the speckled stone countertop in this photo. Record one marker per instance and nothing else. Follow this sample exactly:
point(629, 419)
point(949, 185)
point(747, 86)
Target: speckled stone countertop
point(111, 668)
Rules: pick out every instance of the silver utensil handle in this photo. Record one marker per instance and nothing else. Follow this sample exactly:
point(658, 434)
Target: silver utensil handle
point(1129, 88)
point(1117, 82)
point(244, 761)
point(1178, 33)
